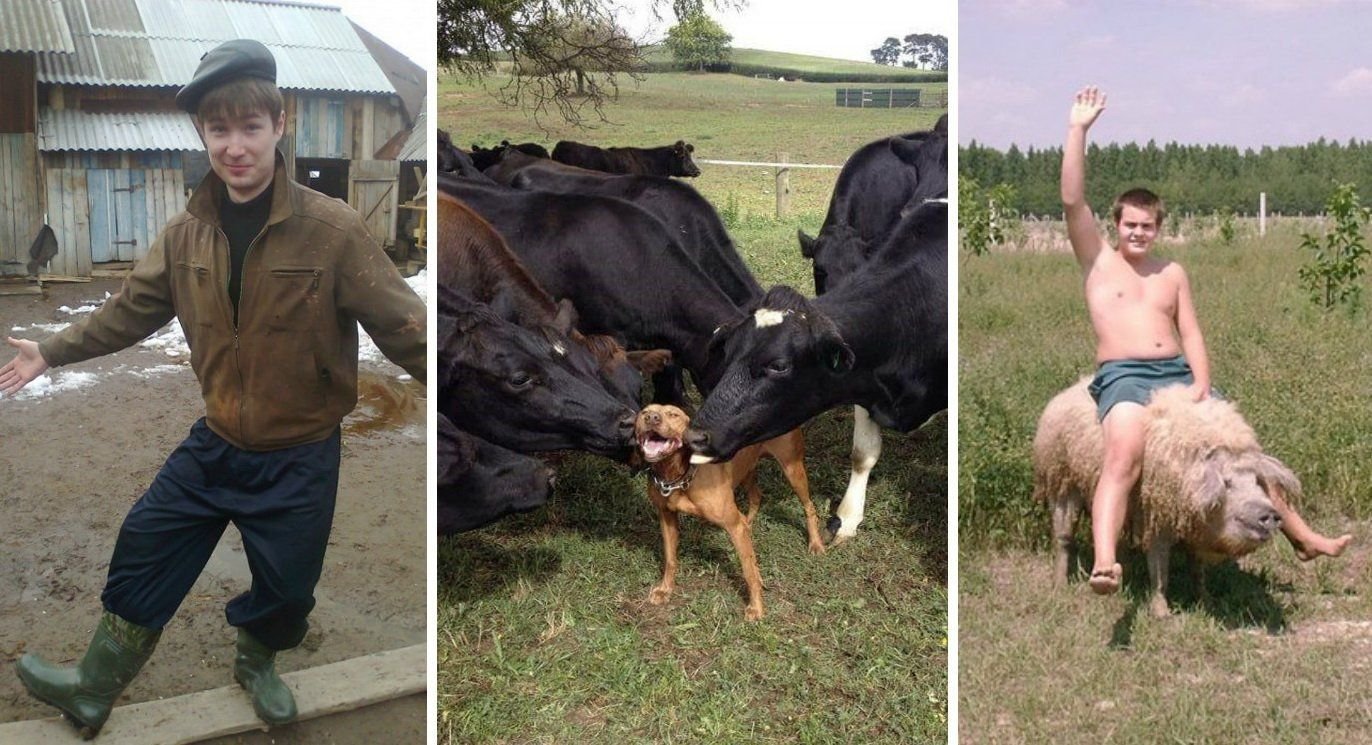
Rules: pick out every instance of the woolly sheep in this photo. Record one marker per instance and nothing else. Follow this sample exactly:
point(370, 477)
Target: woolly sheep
point(1204, 480)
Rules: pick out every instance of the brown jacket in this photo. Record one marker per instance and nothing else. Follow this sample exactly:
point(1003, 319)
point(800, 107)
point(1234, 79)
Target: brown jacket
point(287, 375)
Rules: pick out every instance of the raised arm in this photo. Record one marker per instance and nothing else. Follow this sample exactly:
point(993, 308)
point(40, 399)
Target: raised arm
point(1081, 224)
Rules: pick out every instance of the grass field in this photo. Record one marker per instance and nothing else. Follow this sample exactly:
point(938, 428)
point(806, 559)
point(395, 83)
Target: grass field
point(1281, 652)
point(803, 63)
point(545, 634)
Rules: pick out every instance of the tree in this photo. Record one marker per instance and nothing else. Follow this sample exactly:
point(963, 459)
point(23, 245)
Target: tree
point(927, 50)
point(562, 54)
point(888, 53)
point(699, 41)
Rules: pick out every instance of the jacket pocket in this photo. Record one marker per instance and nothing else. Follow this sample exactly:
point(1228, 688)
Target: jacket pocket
point(291, 300)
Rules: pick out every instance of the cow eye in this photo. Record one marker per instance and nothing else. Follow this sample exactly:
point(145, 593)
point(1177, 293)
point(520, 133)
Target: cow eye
point(521, 380)
point(778, 367)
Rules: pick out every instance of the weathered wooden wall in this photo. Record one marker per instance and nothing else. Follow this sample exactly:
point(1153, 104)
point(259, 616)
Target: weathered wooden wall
point(109, 214)
point(21, 199)
point(372, 192)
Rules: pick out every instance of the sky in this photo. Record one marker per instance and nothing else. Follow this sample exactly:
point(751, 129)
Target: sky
point(842, 30)
point(407, 25)
point(1237, 72)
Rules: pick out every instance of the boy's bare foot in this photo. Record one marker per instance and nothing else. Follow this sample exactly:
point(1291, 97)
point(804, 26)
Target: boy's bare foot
point(1319, 545)
point(1106, 581)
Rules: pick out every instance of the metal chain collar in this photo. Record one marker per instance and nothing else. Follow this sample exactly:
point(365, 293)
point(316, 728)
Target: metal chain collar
point(666, 488)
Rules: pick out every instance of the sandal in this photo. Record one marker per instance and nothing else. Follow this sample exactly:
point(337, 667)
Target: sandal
point(1106, 581)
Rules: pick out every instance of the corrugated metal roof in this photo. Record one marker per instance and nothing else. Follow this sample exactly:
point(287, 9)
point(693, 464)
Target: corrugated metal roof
point(67, 129)
point(159, 43)
point(417, 146)
point(34, 26)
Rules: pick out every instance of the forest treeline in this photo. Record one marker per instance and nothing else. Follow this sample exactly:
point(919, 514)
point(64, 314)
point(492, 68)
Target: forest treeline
point(1197, 179)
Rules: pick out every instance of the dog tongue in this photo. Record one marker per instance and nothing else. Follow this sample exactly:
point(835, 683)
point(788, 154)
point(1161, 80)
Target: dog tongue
point(655, 447)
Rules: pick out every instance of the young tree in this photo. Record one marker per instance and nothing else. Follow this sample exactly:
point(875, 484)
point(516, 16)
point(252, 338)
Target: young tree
point(699, 41)
point(888, 53)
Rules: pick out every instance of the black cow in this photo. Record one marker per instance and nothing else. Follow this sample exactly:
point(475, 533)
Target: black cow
point(479, 483)
point(618, 264)
point(672, 160)
point(870, 197)
point(453, 160)
point(879, 340)
point(689, 217)
point(511, 385)
point(474, 260)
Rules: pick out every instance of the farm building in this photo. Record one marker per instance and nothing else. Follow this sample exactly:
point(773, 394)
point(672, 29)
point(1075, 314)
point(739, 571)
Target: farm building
point(100, 152)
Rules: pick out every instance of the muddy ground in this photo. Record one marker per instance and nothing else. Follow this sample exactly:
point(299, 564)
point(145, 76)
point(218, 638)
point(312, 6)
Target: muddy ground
point(74, 461)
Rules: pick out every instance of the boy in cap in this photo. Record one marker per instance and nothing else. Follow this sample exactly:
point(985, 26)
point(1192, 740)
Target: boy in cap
point(269, 280)
point(1147, 337)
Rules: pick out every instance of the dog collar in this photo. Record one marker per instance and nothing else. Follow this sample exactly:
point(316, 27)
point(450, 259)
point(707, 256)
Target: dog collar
point(666, 488)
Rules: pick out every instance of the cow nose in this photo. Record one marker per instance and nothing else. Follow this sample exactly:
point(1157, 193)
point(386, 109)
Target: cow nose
point(697, 439)
point(626, 425)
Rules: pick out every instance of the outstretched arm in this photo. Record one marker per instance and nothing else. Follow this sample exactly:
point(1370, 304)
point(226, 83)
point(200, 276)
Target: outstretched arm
point(26, 365)
point(1081, 224)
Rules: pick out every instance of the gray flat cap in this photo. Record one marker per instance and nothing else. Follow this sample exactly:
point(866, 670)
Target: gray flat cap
point(232, 59)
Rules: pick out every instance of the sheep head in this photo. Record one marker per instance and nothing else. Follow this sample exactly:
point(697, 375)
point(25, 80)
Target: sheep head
point(1232, 491)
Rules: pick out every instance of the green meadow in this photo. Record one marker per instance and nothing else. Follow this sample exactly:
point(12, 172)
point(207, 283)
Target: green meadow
point(1280, 651)
point(544, 630)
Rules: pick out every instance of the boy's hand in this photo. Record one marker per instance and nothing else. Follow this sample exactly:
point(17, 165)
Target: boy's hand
point(26, 365)
point(1198, 392)
point(1087, 108)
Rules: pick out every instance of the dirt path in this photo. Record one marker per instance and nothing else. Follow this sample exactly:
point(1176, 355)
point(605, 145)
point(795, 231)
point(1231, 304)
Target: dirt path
point(73, 461)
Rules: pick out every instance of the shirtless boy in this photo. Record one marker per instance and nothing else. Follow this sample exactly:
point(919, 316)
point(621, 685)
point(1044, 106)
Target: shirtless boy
point(1147, 337)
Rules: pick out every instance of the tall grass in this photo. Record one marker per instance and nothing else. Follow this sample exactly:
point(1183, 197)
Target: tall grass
point(544, 632)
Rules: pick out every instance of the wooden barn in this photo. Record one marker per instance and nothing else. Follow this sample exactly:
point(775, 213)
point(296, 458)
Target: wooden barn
point(115, 158)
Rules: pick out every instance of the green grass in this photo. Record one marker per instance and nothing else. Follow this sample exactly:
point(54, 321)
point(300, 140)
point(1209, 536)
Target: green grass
point(544, 630)
point(1280, 652)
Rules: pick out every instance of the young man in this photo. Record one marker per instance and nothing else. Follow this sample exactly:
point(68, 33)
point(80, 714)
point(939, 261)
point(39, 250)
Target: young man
point(1147, 337)
point(269, 280)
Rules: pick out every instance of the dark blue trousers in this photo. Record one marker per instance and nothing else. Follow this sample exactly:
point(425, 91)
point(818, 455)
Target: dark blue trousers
point(282, 502)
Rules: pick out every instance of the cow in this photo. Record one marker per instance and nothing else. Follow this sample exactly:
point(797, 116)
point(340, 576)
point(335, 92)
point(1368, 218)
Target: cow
point(913, 167)
point(879, 340)
point(479, 483)
point(453, 160)
point(875, 189)
point(671, 160)
point(512, 386)
point(689, 217)
point(626, 274)
point(473, 259)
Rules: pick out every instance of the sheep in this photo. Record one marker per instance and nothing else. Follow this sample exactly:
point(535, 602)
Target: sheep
point(1204, 481)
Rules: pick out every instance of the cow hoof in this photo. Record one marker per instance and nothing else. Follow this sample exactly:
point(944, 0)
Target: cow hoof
point(831, 528)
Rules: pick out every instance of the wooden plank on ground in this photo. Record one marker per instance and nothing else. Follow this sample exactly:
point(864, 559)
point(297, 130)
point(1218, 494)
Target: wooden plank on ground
point(319, 691)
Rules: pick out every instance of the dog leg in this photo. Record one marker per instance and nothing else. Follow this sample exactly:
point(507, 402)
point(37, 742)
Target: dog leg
point(747, 559)
point(662, 592)
point(793, 466)
point(754, 497)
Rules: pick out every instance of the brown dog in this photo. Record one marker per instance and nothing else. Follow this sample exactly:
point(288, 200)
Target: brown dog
point(707, 491)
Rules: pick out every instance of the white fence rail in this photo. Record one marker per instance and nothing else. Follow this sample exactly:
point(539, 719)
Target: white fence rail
point(783, 177)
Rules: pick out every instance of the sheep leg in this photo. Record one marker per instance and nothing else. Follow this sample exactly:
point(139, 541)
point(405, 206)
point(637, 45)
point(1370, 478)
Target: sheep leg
point(1198, 579)
point(1066, 511)
point(1158, 554)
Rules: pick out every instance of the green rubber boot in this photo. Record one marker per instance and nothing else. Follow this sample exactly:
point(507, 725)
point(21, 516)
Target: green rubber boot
point(254, 667)
point(86, 693)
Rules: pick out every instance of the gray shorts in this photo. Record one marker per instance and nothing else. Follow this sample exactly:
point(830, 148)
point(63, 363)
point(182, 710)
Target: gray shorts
point(1118, 381)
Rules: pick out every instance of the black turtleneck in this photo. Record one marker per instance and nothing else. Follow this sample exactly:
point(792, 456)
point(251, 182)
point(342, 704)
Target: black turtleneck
point(242, 223)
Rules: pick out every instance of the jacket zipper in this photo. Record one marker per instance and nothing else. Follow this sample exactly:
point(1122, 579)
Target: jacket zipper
point(237, 358)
